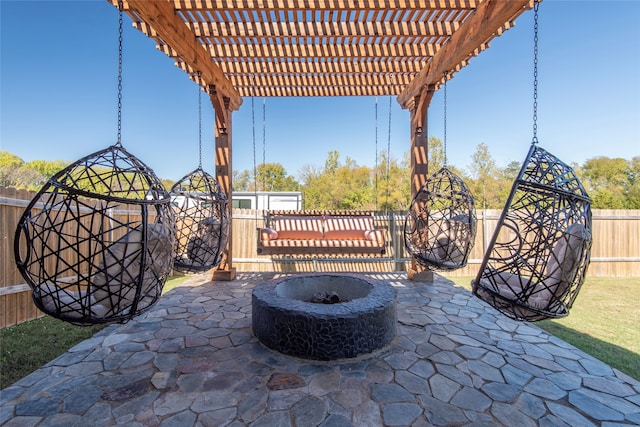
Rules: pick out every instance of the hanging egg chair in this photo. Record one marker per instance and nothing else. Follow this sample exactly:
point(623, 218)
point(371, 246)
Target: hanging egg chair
point(202, 222)
point(539, 254)
point(440, 226)
point(202, 214)
point(96, 242)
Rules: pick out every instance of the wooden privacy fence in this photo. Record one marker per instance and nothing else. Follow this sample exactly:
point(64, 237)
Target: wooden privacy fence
point(615, 251)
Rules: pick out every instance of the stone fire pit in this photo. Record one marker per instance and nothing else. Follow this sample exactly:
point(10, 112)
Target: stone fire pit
point(353, 315)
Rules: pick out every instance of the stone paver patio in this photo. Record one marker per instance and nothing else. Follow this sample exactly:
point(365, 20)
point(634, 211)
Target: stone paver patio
point(193, 360)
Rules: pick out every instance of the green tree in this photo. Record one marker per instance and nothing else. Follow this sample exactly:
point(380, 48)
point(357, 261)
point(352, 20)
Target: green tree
point(241, 180)
point(510, 173)
point(8, 159)
point(337, 185)
point(14, 172)
point(609, 182)
point(9, 164)
point(47, 168)
point(393, 188)
point(352, 187)
point(167, 183)
point(485, 179)
point(633, 192)
point(506, 177)
point(274, 177)
point(436, 154)
point(333, 162)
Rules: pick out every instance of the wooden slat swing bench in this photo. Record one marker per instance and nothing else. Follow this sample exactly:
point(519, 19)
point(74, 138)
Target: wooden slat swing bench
point(320, 232)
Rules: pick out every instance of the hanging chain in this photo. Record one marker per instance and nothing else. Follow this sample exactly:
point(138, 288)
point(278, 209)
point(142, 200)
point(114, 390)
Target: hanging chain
point(536, 4)
point(253, 131)
point(199, 121)
point(375, 169)
point(264, 138)
point(253, 139)
point(445, 119)
point(388, 157)
point(120, 7)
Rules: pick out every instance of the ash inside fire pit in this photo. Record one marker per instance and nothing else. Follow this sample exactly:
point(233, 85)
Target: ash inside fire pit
point(354, 315)
point(327, 298)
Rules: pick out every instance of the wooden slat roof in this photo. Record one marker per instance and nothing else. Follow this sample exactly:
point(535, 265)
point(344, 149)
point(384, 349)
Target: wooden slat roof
point(322, 47)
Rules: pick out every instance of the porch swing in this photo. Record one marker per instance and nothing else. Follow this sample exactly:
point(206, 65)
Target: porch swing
point(202, 215)
point(538, 256)
point(440, 225)
point(95, 244)
point(326, 232)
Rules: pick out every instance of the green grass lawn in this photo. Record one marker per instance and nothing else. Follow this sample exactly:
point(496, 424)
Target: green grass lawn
point(604, 321)
point(26, 347)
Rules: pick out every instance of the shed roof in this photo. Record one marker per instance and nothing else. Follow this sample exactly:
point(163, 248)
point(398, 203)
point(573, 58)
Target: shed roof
point(322, 47)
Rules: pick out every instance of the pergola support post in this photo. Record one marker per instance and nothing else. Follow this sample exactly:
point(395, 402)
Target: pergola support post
point(224, 172)
point(420, 164)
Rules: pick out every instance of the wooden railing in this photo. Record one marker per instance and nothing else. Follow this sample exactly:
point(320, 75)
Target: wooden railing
point(615, 251)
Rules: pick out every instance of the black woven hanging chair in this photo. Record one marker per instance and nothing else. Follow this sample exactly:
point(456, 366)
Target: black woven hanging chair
point(538, 256)
point(202, 222)
point(539, 253)
point(202, 215)
point(440, 226)
point(96, 242)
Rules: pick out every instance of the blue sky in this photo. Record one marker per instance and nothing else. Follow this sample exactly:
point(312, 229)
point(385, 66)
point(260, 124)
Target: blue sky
point(58, 95)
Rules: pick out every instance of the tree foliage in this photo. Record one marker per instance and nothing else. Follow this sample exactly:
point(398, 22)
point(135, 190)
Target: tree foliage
point(436, 154)
point(273, 177)
point(14, 172)
point(486, 182)
point(337, 185)
point(612, 183)
point(241, 180)
point(393, 183)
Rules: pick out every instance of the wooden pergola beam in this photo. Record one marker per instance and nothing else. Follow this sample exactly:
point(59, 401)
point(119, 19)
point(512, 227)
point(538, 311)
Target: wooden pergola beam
point(410, 50)
point(167, 24)
point(322, 29)
point(307, 91)
point(324, 4)
point(488, 18)
point(335, 79)
point(368, 67)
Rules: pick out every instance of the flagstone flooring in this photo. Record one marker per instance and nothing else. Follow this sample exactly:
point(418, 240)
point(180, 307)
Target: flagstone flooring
point(192, 360)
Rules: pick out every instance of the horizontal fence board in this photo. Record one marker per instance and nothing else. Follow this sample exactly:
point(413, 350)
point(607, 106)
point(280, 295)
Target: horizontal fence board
point(615, 251)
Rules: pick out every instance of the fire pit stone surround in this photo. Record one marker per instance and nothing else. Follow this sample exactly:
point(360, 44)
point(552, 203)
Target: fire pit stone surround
point(284, 318)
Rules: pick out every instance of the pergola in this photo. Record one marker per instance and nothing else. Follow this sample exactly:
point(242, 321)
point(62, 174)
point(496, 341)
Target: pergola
point(239, 48)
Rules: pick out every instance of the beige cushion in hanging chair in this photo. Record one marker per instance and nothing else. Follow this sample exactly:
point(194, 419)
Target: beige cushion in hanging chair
point(210, 240)
point(68, 302)
point(448, 246)
point(564, 262)
point(560, 272)
point(115, 284)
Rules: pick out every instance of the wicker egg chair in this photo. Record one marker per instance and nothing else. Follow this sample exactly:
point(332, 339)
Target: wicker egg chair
point(538, 256)
point(96, 242)
point(202, 222)
point(440, 225)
